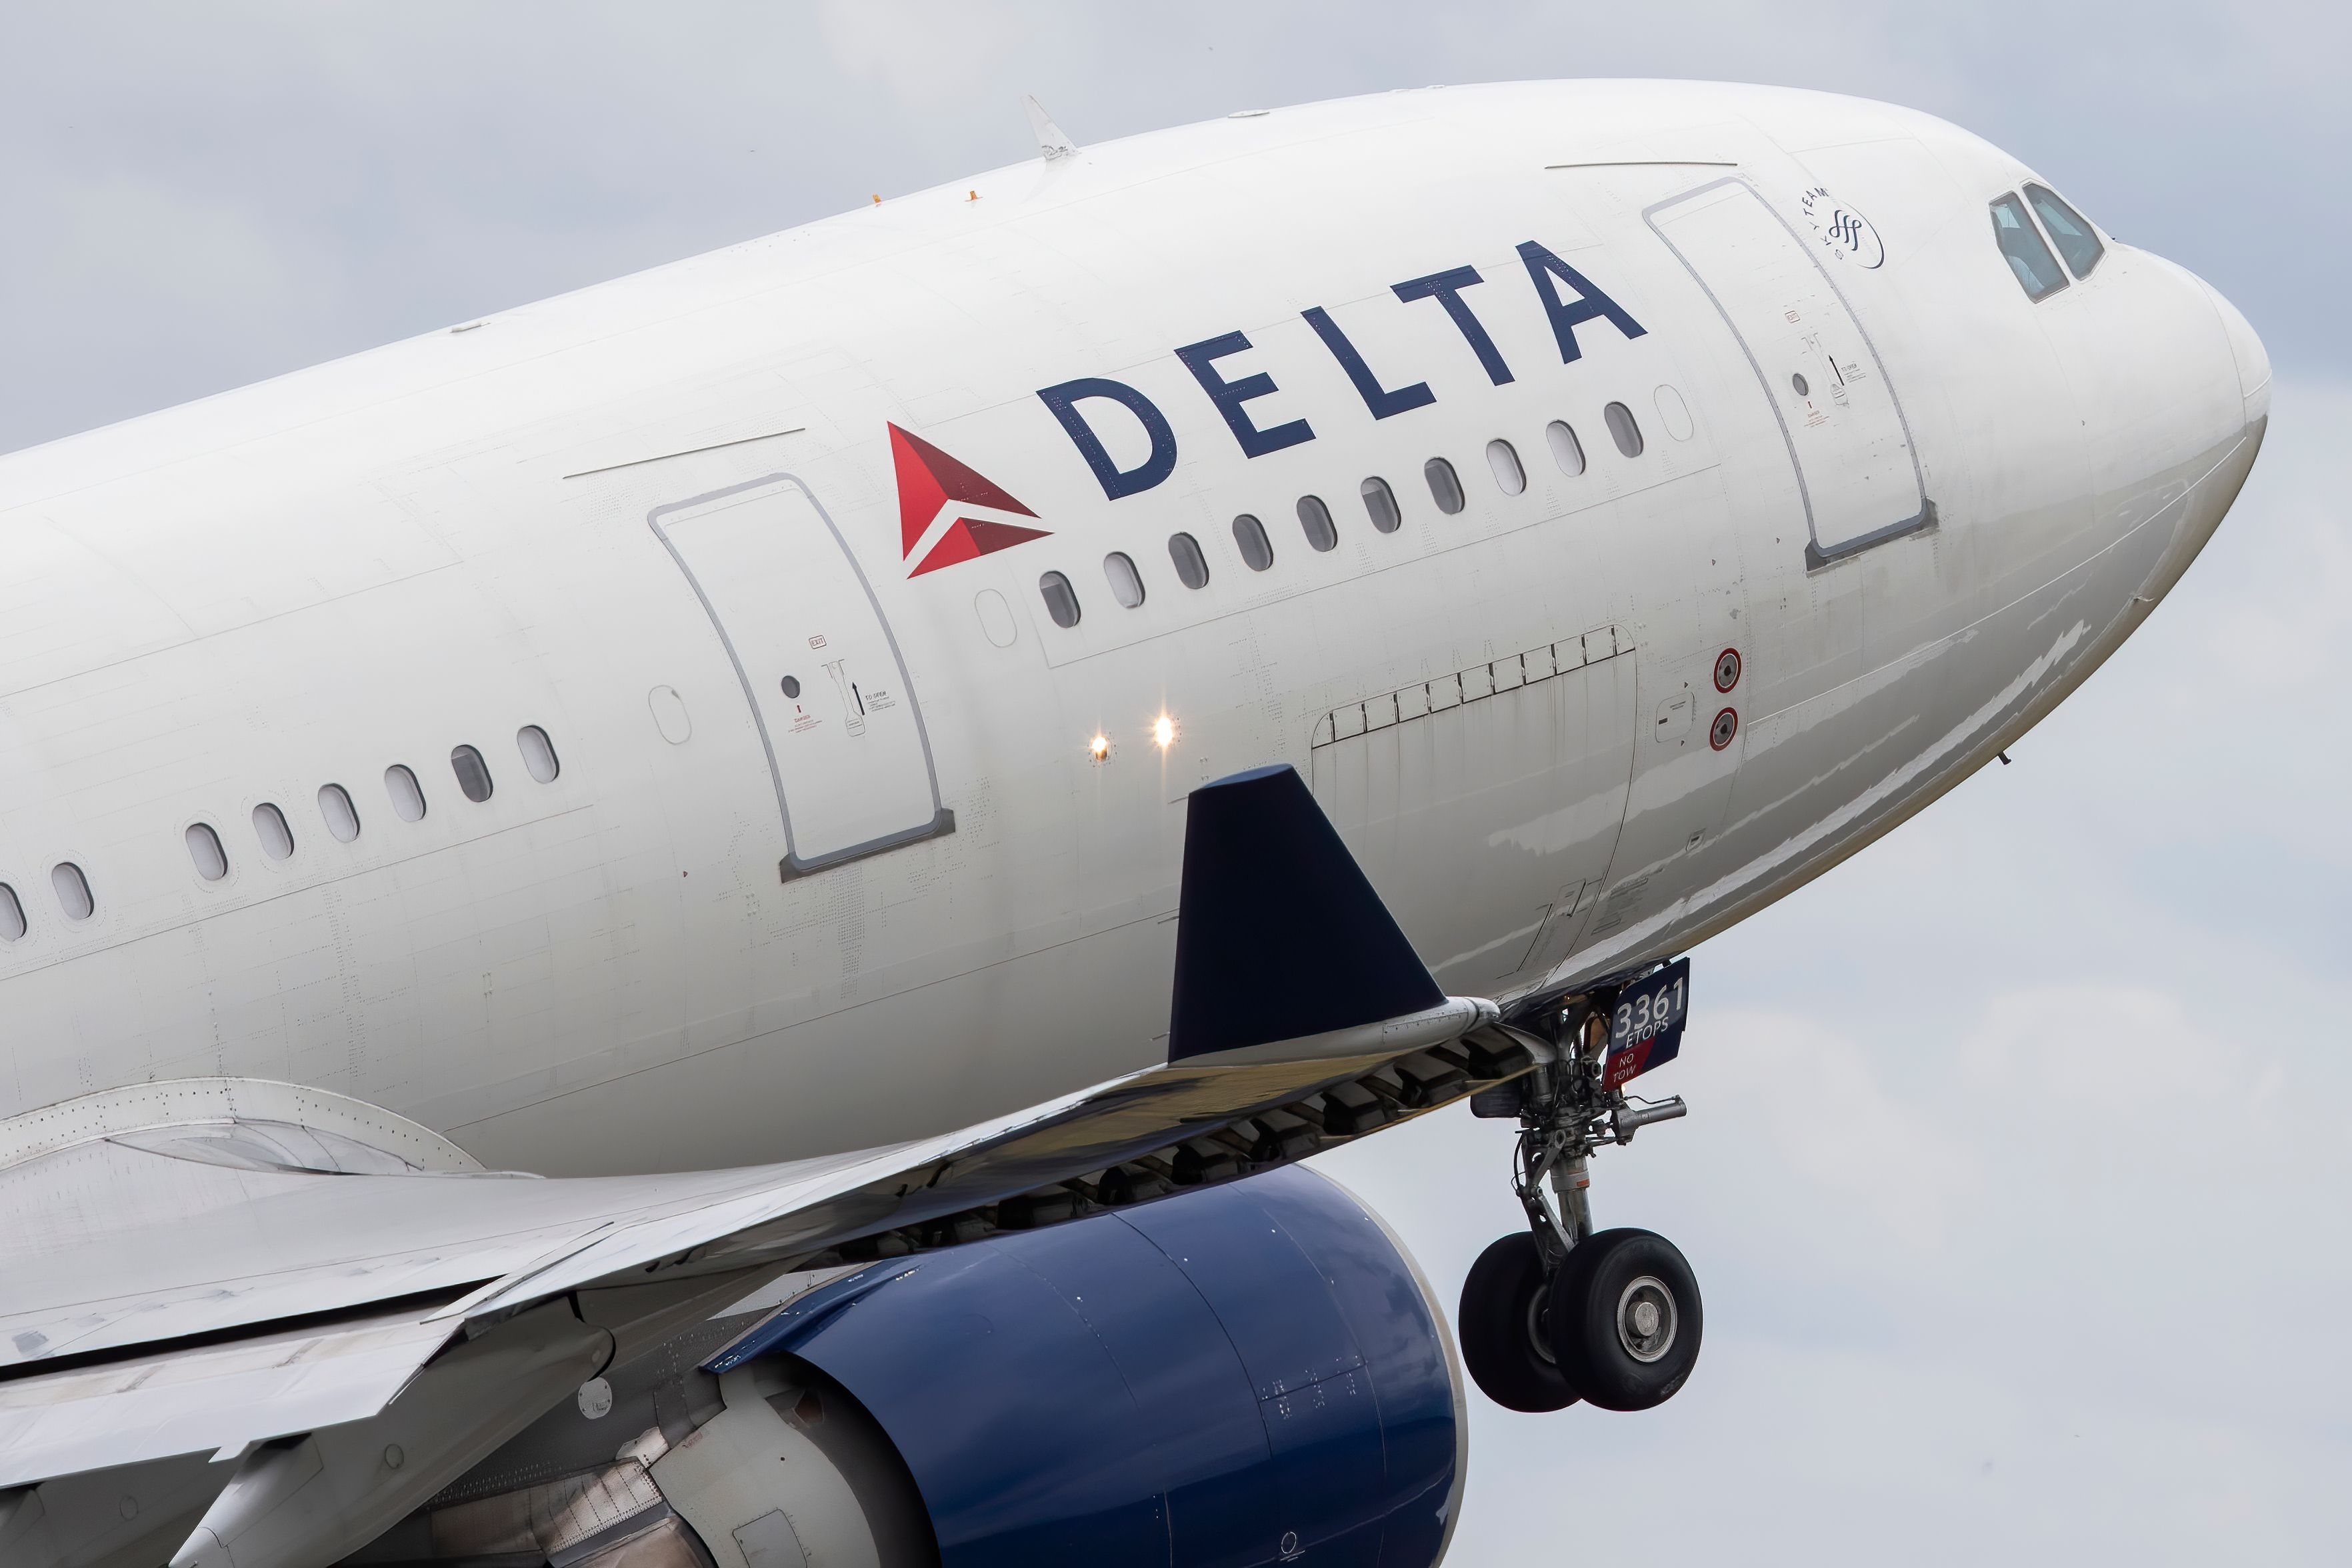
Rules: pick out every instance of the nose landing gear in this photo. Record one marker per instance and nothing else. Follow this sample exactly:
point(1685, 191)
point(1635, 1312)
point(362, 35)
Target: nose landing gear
point(1559, 1312)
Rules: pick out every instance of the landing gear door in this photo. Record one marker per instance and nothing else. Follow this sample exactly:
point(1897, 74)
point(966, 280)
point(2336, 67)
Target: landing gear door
point(836, 714)
point(1836, 406)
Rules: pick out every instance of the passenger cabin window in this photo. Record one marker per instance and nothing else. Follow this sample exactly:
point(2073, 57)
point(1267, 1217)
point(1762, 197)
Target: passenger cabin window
point(1380, 505)
point(539, 758)
point(343, 818)
point(1192, 565)
point(269, 827)
point(408, 796)
point(1315, 518)
point(1061, 599)
point(1249, 537)
point(1444, 488)
point(1504, 459)
point(12, 914)
point(204, 849)
point(2020, 246)
point(1565, 449)
point(72, 889)
point(2067, 231)
point(473, 773)
point(1622, 429)
point(1126, 581)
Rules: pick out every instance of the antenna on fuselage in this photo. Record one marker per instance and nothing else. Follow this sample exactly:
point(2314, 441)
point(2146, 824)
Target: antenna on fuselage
point(1052, 140)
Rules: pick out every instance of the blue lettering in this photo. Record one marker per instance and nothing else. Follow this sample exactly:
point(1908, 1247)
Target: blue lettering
point(1378, 398)
point(1116, 482)
point(1590, 303)
point(1446, 287)
point(1229, 395)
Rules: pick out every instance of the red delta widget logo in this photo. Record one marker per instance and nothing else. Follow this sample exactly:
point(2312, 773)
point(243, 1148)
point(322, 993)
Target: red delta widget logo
point(932, 483)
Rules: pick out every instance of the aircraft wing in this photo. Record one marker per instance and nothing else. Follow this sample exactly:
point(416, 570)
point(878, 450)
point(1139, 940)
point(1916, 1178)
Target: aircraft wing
point(200, 1269)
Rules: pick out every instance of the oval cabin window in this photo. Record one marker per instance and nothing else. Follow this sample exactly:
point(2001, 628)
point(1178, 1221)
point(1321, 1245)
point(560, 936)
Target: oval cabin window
point(1444, 487)
point(407, 795)
point(1565, 449)
point(1126, 581)
point(341, 818)
point(539, 758)
point(1315, 518)
point(269, 827)
point(1192, 565)
point(1622, 430)
point(72, 889)
point(1381, 504)
point(1061, 599)
point(204, 849)
point(12, 914)
point(473, 773)
point(1504, 459)
point(1249, 537)
point(1672, 412)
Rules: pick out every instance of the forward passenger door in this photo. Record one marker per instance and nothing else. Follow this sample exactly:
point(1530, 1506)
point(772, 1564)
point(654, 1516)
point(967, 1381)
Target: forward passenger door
point(1834, 400)
point(838, 717)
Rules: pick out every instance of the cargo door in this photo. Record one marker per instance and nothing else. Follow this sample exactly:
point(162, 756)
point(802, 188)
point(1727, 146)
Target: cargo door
point(836, 714)
point(1835, 404)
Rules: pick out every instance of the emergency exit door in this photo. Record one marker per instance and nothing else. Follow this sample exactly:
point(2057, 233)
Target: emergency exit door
point(1837, 408)
point(836, 714)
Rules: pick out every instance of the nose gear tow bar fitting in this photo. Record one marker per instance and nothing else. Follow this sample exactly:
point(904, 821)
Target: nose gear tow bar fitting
point(1560, 1312)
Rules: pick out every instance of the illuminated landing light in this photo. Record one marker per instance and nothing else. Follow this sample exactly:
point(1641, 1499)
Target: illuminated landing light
point(1163, 730)
point(1099, 747)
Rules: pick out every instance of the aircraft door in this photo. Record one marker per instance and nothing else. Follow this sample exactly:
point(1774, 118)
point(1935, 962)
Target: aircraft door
point(1835, 401)
point(836, 714)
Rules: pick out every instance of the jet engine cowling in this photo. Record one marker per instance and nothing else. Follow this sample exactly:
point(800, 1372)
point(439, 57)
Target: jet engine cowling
point(1249, 1374)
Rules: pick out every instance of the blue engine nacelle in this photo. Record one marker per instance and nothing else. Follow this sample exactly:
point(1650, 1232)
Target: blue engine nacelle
point(1247, 1373)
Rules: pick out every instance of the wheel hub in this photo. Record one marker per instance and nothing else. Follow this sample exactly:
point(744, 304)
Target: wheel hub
point(1646, 1319)
point(1539, 1325)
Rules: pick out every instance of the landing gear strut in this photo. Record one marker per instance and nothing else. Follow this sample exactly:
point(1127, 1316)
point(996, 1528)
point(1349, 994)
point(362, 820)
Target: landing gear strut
point(1559, 1312)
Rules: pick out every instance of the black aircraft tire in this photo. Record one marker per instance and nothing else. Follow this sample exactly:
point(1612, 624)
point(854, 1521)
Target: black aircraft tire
point(1504, 1332)
point(1625, 1320)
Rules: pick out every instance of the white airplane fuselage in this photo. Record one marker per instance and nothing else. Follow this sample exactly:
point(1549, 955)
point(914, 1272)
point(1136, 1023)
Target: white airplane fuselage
point(746, 920)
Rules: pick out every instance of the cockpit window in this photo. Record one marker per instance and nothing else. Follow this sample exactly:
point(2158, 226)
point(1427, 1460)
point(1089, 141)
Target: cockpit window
point(2020, 243)
point(2068, 232)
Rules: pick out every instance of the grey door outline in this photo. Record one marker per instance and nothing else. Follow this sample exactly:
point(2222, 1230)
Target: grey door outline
point(1815, 556)
point(942, 820)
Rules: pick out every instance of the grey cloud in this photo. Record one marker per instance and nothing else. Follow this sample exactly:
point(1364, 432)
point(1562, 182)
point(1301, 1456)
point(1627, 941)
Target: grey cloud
point(197, 196)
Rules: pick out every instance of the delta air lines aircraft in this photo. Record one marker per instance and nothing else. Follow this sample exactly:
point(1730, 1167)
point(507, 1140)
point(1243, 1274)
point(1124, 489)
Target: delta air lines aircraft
point(701, 924)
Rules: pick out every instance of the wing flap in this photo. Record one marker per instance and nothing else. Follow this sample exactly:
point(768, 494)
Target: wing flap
point(212, 1399)
point(191, 1247)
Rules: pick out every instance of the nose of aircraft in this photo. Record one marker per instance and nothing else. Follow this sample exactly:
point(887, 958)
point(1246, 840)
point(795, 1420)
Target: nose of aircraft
point(2212, 437)
point(2253, 362)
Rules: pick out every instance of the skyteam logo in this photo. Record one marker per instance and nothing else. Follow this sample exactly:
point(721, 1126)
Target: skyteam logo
point(933, 487)
point(1842, 229)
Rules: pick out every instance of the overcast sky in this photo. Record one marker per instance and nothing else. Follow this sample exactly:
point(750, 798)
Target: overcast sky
point(2016, 1171)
